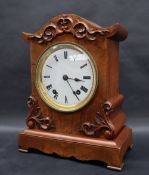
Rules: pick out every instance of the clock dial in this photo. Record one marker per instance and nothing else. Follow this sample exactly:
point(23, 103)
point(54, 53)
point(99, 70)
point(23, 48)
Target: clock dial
point(66, 77)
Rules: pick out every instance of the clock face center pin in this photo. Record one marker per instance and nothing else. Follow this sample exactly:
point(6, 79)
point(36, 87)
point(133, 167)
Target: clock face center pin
point(65, 77)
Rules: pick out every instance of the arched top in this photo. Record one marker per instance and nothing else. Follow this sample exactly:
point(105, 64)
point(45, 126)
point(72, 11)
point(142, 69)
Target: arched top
point(78, 27)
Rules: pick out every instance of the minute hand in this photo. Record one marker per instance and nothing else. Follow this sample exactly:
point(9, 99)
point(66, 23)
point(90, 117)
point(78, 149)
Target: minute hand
point(72, 90)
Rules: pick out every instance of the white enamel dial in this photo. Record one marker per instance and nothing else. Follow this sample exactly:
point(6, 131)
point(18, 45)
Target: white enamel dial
point(66, 77)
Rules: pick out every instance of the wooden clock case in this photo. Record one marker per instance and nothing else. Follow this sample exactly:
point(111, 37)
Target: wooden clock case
point(97, 131)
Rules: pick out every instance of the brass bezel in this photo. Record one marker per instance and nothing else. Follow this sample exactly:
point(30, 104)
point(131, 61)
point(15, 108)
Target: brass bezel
point(49, 100)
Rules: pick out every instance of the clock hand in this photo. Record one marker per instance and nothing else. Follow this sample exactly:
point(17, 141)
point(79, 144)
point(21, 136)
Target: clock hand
point(72, 90)
point(65, 77)
point(76, 79)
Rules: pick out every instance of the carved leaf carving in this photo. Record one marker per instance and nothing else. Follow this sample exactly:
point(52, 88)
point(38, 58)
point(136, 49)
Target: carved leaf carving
point(35, 118)
point(102, 124)
point(64, 24)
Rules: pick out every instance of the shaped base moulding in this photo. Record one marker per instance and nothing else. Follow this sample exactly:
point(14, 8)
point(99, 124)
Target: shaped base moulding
point(83, 148)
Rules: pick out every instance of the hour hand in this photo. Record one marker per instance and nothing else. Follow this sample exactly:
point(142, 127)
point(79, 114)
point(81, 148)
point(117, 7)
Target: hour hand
point(76, 79)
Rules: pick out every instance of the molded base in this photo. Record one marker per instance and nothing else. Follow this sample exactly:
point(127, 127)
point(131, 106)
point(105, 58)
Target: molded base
point(83, 148)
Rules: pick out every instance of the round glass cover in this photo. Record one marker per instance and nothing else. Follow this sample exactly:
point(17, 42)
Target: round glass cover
point(66, 77)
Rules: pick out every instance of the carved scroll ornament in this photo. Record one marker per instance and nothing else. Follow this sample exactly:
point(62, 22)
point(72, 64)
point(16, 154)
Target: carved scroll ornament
point(102, 123)
point(35, 118)
point(78, 27)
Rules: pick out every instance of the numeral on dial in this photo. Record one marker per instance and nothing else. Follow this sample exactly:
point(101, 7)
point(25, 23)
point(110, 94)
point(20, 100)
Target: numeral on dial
point(84, 89)
point(55, 57)
point(49, 86)
point(55, 94)
point(83, 66)
point(65, 54)
point(86, 77)
point(48, 66)
point(47, 76)
point(66, 100)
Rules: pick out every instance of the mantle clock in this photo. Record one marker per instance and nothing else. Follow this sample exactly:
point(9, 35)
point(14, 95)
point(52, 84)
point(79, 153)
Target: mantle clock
point(75, 108)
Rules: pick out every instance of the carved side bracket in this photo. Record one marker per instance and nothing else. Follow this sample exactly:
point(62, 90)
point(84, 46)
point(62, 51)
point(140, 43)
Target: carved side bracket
point(103, 124)
point(35, 118)
point(78, 27)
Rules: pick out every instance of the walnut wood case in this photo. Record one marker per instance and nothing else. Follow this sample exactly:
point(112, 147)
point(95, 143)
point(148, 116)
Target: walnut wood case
point(97, 131)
